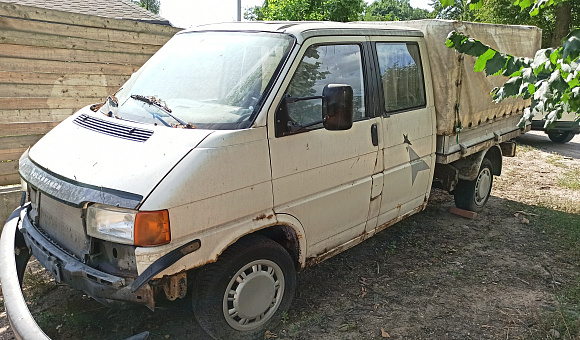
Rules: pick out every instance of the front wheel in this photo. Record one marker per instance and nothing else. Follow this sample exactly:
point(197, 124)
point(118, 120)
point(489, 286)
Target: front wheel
point(472, 195)
point(560, 137)
point(245, 292)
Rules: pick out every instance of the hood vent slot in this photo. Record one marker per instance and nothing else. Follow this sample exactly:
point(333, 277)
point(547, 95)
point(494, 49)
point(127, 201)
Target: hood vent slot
point(113, 129)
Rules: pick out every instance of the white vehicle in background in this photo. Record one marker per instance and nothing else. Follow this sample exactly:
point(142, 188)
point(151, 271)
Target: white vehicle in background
point(561, 131)
point(242, 153)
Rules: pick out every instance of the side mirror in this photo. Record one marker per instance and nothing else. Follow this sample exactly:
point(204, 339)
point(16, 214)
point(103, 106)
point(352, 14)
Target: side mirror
point(337, 107)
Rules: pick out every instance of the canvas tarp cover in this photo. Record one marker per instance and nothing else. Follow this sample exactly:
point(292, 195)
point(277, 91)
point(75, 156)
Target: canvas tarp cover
point(455, 82)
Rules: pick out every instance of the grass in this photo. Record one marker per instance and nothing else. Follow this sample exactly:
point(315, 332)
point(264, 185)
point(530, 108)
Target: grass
point(563, 229)
point(556, 160)
point(523, 148)
point(570, 179)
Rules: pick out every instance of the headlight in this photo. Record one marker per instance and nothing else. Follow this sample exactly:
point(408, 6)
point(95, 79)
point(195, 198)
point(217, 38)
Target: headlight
point(110, 223)
point(143, 228)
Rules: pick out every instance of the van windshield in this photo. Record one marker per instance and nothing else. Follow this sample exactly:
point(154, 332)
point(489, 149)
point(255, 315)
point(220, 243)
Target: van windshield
point(208, 80)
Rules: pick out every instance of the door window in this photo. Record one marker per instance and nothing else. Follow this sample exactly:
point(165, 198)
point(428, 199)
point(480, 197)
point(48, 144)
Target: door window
point(320, 66)
point(401, 76)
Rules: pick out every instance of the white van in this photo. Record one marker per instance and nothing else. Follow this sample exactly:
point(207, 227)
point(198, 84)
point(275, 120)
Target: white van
point(242, 153)
point(561, 131)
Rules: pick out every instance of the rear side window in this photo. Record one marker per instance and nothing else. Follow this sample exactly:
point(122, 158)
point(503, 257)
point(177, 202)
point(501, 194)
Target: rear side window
point(401, 76)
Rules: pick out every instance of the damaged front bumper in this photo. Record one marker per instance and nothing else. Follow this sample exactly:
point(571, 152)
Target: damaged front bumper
point(65, 268)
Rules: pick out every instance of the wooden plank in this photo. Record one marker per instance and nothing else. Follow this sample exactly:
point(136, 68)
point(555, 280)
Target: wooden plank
point(49, 66)
point(35, 115)
point(10, 179)
point(11, 154)
point(83, 32)
point(46, 103)
point(8, 168)
point(15, 142)
point(55, 91)
point(41, 14)
point(60, 54)
point(62, 79)
point(19, 129)
point(37, 38)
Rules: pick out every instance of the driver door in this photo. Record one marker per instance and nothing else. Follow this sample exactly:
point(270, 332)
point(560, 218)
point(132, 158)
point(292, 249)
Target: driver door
point(324, 178)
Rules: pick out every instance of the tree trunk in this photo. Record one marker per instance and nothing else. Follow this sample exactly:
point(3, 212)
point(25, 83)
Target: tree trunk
point(563, 21)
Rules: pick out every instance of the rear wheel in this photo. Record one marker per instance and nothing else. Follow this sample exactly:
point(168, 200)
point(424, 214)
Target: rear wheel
point(560, 136)
point(472, 195)
point(245, 292)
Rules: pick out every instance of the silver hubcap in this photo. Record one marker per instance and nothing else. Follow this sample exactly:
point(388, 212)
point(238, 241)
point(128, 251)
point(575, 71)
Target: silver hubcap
point(482, 186)
point(253, 295)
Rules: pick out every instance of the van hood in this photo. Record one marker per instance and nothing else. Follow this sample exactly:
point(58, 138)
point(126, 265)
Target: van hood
point(96, 151)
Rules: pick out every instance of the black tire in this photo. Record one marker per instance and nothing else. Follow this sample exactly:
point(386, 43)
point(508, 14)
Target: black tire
point(473, 195)
point(560, 137)
point(259, 263)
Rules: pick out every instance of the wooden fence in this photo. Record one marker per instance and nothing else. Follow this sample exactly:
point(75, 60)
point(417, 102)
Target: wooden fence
point(52, 63)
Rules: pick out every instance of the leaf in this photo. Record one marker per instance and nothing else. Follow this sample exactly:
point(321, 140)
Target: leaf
point(454, 39)
point(523, 4)
point(384, 333)
point(572, 45)
point(447, 3)
point(528, 75)
point(541, 90)
point(554, 57)
point(473, 48)
point(475, 4)
point(541, 57)
point(513, 65)
point(512, 86)
point(482, 60)
point(495, 64)
point(557, 82)
point(523, 91)
point(499, 95)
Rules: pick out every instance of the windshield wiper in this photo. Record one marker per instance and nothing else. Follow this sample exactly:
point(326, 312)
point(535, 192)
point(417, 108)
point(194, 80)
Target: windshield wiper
point(157, 103)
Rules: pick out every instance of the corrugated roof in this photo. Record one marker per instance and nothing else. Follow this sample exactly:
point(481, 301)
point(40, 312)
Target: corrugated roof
point(117, 9)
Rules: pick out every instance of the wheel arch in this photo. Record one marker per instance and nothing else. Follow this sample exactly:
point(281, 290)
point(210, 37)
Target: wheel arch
point(495, 156)
point(289, 233)
point(468, 167)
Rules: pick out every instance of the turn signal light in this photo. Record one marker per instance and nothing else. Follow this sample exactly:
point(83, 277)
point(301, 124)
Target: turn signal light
point(152, 228)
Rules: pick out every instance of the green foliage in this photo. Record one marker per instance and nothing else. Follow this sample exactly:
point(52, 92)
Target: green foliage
point(307, 10)
point(535, 5)
point(551, 80)
point(150, 5)
point(385, 10)
point(452, 10)
point(503, 12)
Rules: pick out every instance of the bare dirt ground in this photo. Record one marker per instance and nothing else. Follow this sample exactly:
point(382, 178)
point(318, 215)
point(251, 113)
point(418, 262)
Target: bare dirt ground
point(513, 272)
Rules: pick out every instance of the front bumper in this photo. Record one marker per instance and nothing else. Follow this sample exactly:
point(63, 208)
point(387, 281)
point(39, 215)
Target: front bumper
point(22, 322)
point(64, 268)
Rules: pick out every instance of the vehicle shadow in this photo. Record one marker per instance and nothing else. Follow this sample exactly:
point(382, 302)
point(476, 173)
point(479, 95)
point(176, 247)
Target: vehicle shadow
point(541, 141)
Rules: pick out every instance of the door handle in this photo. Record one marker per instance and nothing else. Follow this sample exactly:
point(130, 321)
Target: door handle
point(375, 134)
